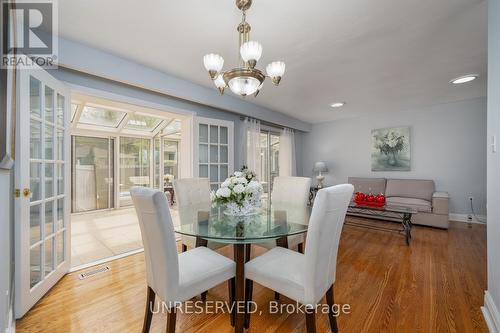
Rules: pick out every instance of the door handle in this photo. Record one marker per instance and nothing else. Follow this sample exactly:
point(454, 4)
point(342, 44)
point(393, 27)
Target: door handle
point(27, 192)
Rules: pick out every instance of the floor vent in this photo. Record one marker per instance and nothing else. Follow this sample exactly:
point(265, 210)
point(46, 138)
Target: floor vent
point(93, 272)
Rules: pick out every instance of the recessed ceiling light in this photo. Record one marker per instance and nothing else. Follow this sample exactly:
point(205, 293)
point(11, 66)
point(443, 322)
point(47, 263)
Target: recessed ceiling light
point(337, 104)
point(464, 79)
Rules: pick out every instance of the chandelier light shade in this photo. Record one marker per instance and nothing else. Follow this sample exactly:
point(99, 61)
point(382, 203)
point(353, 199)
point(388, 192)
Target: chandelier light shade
point(251, 51)
point(213, 64)
point(246, 79)
point(275, 71)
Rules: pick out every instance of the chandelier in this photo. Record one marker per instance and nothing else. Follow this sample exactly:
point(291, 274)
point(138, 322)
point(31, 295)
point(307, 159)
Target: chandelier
point(245, 79)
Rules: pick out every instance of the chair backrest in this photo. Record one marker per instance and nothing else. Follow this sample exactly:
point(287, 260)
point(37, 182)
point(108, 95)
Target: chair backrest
point(291, 195)
point(158, 237)
point(192, 192)
point(323, 236)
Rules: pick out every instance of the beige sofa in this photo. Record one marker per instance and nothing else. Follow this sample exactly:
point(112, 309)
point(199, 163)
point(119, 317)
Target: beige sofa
point(432, 206)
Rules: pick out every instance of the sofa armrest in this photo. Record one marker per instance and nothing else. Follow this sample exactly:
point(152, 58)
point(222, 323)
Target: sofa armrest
point(440, 203)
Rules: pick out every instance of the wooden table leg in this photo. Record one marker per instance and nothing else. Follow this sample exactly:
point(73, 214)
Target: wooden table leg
point(239, 258)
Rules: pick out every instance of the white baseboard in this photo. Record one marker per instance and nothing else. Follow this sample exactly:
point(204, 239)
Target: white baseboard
point(463, 218)
point(490, 313)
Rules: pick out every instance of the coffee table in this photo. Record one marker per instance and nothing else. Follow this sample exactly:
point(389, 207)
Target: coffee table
point(398, 213)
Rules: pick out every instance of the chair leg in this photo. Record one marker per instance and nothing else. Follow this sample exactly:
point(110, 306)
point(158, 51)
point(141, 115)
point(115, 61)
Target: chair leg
point(171, 319)
point(248, 298)
point(184, 248)
point(204, 296)
point(301, 248)
point(276, 296)
point(331, 316)
point(148, 315)
point(231, 286)
point(311, 322)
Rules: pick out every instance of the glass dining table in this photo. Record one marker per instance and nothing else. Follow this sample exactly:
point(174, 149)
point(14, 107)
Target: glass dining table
point(210, 223)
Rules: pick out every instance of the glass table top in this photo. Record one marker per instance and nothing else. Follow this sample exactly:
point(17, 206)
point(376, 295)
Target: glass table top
point(385, 208)
point(211, 223)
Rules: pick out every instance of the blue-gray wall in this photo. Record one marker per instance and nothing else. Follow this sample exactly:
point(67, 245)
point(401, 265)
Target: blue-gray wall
point(447, 145)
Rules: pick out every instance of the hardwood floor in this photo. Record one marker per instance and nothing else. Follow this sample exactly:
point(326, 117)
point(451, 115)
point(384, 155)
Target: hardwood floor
point(434, 285)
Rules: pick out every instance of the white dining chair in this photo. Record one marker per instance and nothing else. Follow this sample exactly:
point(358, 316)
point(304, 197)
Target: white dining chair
point(190, 193)
point(305, 278)
point(290, 195)
point(173, 277)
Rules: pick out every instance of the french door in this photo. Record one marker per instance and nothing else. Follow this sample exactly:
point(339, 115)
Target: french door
point(42, 229)
point(214, 150)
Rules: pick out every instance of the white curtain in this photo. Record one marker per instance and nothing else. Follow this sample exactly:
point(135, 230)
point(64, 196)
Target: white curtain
point(253, 159)
point(287, 153)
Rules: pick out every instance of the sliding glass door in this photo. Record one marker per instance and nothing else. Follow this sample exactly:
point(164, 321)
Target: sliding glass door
point(135, 166)
point(93, 173)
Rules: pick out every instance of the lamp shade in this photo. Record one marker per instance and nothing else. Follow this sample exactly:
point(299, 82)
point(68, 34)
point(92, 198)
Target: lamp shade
point(213, 62)
point(320, 167)
point(251, 51)
point(276, 69)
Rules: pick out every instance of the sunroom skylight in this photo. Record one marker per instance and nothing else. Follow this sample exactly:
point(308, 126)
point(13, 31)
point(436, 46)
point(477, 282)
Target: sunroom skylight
point(142, 123)
point(101, 117)
point(173, 127)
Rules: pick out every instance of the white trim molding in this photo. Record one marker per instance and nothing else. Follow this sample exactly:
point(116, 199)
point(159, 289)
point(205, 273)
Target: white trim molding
point(463, 218)
point(491, 313)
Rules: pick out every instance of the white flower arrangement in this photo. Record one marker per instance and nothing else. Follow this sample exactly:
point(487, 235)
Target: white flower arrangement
point(240, 193)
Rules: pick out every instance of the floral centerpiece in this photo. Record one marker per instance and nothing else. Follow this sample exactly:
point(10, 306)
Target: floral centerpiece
point(240, 193)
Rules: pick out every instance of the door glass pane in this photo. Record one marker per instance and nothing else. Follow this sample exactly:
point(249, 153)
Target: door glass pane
point(170, 158)
point(35, 94)
point(223, 134)
point(35, 181)
point(49, 255)
point(223, 154)
point(49, 142)
point(60, 110)
point(223, 172)
point(60, 179)
point(204, 171)
point(60, 214)
point(203, 151)
point(60, 145)
point(35, 139)
point(35, 220)
point(214, 134)
point(35, 265)
point(92, 172)
point(264, 170)
point(60, 247)
point(49, 180)
point(214, 154)
point(49, 104)
point(49, 218)
point(274, 158)
point(134, 166)
point(203, 133)
point(214, 173)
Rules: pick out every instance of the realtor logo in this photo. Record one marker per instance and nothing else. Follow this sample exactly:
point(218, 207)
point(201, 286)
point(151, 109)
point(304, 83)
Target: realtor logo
point(30, 36)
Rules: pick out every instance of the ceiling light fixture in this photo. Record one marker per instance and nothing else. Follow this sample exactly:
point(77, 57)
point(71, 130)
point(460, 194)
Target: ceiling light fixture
point(337, 104)
point(464, 79)
point(245, 79)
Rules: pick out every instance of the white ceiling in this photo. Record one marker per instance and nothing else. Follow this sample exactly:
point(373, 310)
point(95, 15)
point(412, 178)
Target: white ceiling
point(383, 55)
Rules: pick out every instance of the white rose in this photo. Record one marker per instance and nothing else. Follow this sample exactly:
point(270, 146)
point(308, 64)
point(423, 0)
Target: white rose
point(239, 189)
point(212, 196)
point(238, 174)
point(223, 192)
point(226, 183)
point(242, 180)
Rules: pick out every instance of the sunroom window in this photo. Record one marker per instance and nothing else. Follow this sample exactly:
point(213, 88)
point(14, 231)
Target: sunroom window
point(142, 123)
point(101, 117)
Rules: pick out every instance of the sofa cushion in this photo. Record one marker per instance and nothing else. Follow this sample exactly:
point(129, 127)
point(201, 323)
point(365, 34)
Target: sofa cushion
point(418, 204)
point(367, 185)
point(410, 188)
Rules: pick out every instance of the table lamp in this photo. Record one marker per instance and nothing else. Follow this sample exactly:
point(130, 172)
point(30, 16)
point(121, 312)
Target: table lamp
point(320, 167)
